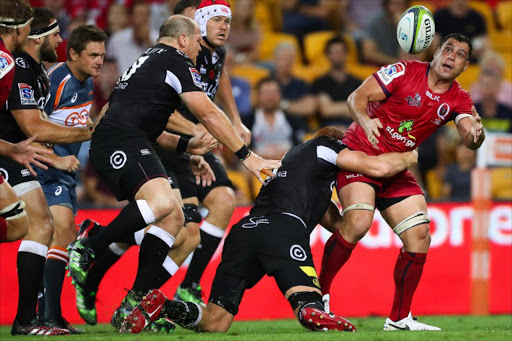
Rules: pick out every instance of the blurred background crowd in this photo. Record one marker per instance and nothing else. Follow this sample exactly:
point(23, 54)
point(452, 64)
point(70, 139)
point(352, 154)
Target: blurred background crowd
point(293, 64)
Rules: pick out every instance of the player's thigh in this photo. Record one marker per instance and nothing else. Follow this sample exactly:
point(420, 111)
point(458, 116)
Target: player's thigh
point(7, 195)
point(39, 216)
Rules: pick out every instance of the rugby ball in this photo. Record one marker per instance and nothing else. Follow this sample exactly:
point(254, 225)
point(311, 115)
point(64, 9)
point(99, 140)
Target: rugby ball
point(416, 29)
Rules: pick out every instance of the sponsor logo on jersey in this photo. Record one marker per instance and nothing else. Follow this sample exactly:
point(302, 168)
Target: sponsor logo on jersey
point(196, 77)
point(405, 127)
point(121, 85)
point(26, 94)
point(203, 70)
point(415, 102)
point(350, 176)
point(388, 73)
point(442, 113)
point(4, 63)
point(145, 151)
point(118, 159)
point(255, 221)
point(21, 63)
point(76, 118)
point(25, 172)
point(4, 174)
point(298, 253)
point(282, 174)
point(432, 96)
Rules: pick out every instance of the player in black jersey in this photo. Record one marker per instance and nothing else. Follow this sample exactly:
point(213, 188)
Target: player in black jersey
point(22, 117)
point(219, 198)
point(274, 239)
point(121, 151)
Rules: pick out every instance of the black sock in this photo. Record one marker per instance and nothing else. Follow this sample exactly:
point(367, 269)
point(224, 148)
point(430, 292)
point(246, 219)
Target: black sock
point(41, 300)
point(202, 256)
point(103, 261)
point(30, 274)
point(54, 272)
point(152, 253)
point(183, 313)
point(128, 221)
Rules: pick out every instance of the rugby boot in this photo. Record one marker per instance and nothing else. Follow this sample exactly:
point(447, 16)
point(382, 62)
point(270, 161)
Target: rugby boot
point(146, 312)
point(162, 325)
point(318, 320)
point(407, 323)
point(193, 294)
point(61, 323)
point(80, 261)
point(131, 300)
point(87, 228)
point(86, 305)
point(34, 328)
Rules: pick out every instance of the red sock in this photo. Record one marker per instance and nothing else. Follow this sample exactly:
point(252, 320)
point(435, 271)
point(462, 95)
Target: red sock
point(337, 251)
point(3, 229)
point(408, 269)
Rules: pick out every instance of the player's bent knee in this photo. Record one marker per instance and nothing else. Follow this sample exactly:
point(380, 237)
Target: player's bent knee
point(418, 218)
point(16, 228)
point(223, 198)
point(358, 221)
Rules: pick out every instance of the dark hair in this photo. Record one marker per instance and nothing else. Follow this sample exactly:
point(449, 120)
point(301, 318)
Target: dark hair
point(182, 5)
point(330, 131)
point(42, 18)
point(82, 35)
point(264, 81)
point(335, 40)
point(460, 38)
point(18, 10)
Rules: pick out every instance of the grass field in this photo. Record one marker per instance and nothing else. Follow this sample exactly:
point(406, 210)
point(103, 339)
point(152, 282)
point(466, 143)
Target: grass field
point(454, 328)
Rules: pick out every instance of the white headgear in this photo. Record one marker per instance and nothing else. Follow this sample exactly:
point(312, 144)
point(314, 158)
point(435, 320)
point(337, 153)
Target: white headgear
point(209, 9)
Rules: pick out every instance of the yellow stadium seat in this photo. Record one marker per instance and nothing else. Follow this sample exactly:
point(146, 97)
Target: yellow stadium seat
point(310, 72)
point(468, 77)
point(252, 74)
point(263, 16)
point(314, 45)
point(362, 71)
point(501, 41)
point(270, 42)
point(501, 183)
point(241, 183)
point(505, 14)
point(485, 10)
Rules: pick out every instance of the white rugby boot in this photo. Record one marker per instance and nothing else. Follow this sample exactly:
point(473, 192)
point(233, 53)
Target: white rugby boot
point(407, 323)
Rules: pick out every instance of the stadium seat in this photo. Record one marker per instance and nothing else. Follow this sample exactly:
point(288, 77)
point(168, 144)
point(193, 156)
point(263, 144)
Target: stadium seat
point(361, 71)
point(263, 16)
point(240, 181)
point(311, 72)
point(501, 41)
point(271, 40)
point(253, 74)
point(314, 45)
point(501, 183)
point(484, 9)
point(504, 11)
point(468, 77)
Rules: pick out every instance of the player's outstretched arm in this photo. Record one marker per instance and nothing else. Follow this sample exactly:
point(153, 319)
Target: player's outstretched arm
point(369, 91)
point(22, 152)
point(32, 122)
point(197, 145)
point(381, 166)
point(470, 129)
point(221, 128)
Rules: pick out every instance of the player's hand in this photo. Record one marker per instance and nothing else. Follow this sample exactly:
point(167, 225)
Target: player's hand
point(202, 143)
point(371, 129)
point(255, 164)
point(25, 154)
point(244, 133)
point(412, 158)
point(66, 163)
point(202, 171)
point(477, 128)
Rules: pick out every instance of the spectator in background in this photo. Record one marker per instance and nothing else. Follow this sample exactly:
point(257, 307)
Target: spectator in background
point(297, 97)
point(117, 19)
point(458, 17)
point(380, 45)
point(240, 87)
point(245, 35)
point(127, 45)
point(160, 11)
point(103, 85)
point(457, 178)
point(273, 131)
point(57, 7)
point(493, 64)
point(334, 88)
point(301, 17)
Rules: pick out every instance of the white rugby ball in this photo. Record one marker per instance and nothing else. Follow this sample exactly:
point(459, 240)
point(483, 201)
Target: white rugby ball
point(416, 29)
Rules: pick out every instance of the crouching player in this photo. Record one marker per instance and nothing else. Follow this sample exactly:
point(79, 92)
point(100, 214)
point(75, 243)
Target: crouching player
point(273, 240)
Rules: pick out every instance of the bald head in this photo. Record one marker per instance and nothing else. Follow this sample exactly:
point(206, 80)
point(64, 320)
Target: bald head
point(177, 25)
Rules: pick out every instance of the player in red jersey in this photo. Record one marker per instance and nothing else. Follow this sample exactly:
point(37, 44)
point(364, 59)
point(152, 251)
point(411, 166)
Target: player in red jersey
point(395, 110)
point(14, 29)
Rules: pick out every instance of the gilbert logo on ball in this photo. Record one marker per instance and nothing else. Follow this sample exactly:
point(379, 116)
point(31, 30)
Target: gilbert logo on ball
point(416, 30)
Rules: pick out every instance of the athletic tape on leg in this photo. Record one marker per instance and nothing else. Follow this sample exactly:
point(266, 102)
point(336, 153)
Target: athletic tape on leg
point(170, 266)
point(161, 234)
point(146, 212)
point(364, 207)
point(138, 236)
point(417, 218)
point(212, 229)
point(117, 250)
point(33, 247)
point(13, 211)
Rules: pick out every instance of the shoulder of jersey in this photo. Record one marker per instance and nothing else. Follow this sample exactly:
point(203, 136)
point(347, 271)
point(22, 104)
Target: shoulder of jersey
point(221, 51)
point(6, 63)
point(58, 71)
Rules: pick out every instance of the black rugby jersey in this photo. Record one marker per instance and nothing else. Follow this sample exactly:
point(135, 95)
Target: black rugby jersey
point(30, 90)
point(303, 184)
point(148, 92)
point(210, 66)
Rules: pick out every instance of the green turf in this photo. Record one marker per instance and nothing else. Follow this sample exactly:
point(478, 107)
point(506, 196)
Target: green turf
point(464, 328)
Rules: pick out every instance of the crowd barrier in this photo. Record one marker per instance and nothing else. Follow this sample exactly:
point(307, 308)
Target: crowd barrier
point(364, 287)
